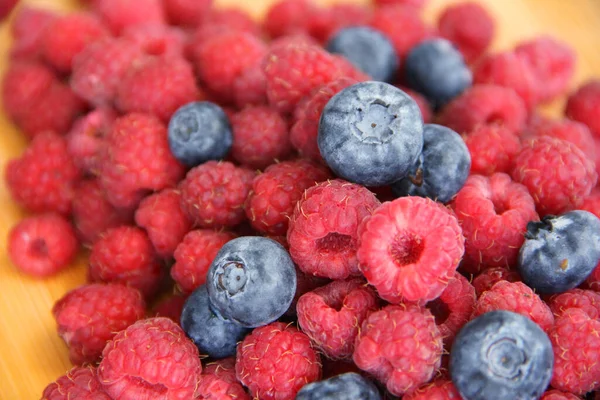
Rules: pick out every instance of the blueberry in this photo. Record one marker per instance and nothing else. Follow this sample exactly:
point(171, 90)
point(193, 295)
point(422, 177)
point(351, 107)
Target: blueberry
point(212, 334)
point(441, 170)
point(199, 132)
point(559, 253)
point(367, 49)
point(371, 133)
point(501, 355)
point(251, 281)
point(348, 386)
point(437, 70)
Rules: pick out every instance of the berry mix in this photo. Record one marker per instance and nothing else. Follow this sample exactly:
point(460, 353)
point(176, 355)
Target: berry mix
point(337, 202)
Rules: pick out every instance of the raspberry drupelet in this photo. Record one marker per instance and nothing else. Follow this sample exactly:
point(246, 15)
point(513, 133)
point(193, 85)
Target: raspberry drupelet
point(492, 148)
point(488, 277)
point(439, 389)
point(219, 381)
point(121, 14)
point(587, 300)
point(571, 131)
point(583, 105)
point(78, 383)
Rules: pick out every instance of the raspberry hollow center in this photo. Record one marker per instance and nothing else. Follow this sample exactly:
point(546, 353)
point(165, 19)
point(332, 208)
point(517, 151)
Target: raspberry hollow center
point(406, 248)
point(335, 243)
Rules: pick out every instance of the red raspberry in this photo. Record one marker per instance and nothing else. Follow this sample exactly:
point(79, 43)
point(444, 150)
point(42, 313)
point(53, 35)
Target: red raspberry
point(297, 39)
point(469, 26)
point(219, 382)
point(275, 361)
point(42, 179)
point(593, 281)
point(571, 131)
point(42, 245)
point(484, 104)
point(576, 344)
point(412, 3)
point(158, 86)
point(194, 255)
point(591, 202)
point(421, 101)
point(158, 39)
point(409, 249)
point(125, 255)
point(558, 395)
point(151, 359)
point(188, 13)
point(171, 307)
point(490, 276)
point(323, 230)
point(222, 58)
point(67, 36)
point(276, 191)
point(160, 214)
point(137, 159)
point(304, 283)
point(303, 134)
point(584, 106)
point(557, 174)
point(440, 389)
point(289, 17)
point(121, 14)
point(394, 338)
point(402, 25)
point(331, 315)
point(454, 307)
point(260, 137)
point(28, 27)
point(586, 300)
point(78, 383)
point(213, 194)
point(324, 23)
point(516, 297)
point(493, 213)
point(250, 87)
point(492, 149)
point(93, 214)
point(234, 18)
point(89, 316)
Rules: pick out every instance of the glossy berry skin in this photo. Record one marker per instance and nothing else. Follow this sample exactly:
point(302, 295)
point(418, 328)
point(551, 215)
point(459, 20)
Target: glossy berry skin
point(251, 281)
point(348, 386)
point(371, 133)
point(442, 168)
point(501, 355)
point(368, 50)
point(559, 253)
point(198, 132)
point(437, 70)
point(213, 335)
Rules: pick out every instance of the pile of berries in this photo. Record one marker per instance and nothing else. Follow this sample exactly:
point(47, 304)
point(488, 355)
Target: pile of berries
point(335, 203)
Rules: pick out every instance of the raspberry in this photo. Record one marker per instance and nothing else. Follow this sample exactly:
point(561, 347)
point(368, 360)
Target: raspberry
point(275, 361)
point(78, 383)
point(490, 276)
point(586, 300)
point(194, 255)
point(411, 3)
point(93, 214)
point(151, 359)
point(395, 337)
point(303, 134)
point(213, 194)
point(28, 27)
point(276, 191)
point(42, 245)
point(558, 395)
point(440, 389)
point(409, 249)
point(42, 179)
point(557, 174)
point(421, 101)
point(137, 159)
point(121, 14)
point(584, 105)
point(591, 202)
point(484, 104)
point(571, 131)
point(125, 255)
point(288, 17)
point(493, 213)
point(158, 39)
point(250, 87)
point(89, 316)
point(331, 315)
point(469, 26)
point(68, 35)
point(454, 307)
point(222, 58)
point(297, 39)
point(492, 149)
point(516, 297)
point(324, 23)
point(576, 343)
point(170, 307)
point(304, 283)
point(160, 214)
point(234, 18)
point(188, 13)
point(323, 230)
point(158, 86)
point(219, 381)
point(260, 137)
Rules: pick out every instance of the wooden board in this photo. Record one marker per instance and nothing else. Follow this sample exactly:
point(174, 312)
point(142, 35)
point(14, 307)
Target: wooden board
point(31, 353)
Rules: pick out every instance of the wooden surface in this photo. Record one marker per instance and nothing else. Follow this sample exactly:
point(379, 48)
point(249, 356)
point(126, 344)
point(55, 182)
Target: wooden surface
point(31, 353)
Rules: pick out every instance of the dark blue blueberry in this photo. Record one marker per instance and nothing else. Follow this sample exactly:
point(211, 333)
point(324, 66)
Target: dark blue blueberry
point(251, 281)
point(213, 335)
point(199, 132)
point(348, 386)
point(501, 355)
point(559, 253)
point(367, 49)
point(437, 70)
point(441, 170)
point(371, 133)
